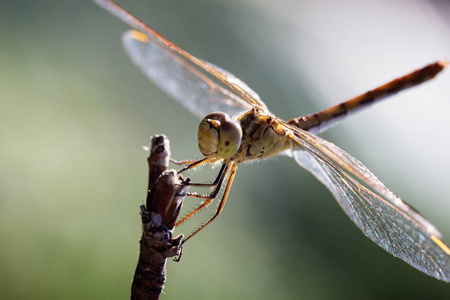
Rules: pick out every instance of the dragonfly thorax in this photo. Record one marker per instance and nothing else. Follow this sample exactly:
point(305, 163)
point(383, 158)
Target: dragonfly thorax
point(218, 135)
point(263, 136)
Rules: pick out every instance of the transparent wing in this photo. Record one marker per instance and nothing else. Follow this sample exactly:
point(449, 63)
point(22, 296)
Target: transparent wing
point(180, 80)
point(169, 59)
point(382, 216)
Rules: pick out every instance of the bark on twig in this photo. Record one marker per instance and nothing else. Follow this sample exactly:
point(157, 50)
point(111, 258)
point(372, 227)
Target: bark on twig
point(166, 192)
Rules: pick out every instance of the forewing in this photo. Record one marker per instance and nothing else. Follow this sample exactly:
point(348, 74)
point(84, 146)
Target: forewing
point(172, 69)
point(236, 84)
point(182, 81)
point(382, 216)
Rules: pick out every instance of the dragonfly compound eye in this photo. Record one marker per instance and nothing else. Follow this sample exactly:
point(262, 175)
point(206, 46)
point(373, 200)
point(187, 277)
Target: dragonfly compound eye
point(218, 135)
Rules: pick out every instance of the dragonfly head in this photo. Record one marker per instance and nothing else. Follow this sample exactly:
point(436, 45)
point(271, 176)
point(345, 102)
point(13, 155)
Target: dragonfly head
point(218, 135)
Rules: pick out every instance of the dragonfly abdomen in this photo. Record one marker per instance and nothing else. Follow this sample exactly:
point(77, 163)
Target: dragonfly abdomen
point(318, 122)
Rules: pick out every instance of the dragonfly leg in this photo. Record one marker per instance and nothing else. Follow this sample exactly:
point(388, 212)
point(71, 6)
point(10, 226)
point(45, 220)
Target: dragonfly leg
point(222, 202)
point(196, 163)
point(216, 181)
point(217, 184)
point(183, 162)
point(208, 198)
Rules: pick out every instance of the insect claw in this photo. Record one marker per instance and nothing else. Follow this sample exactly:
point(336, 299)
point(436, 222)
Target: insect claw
point(177, 258)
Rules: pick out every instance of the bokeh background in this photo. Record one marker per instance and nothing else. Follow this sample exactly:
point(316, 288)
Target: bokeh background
point(75, 113)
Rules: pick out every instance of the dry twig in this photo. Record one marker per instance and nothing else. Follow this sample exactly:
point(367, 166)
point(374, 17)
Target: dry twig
point(166, 192)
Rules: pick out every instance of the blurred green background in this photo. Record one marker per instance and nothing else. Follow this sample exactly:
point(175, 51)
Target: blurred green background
point(75, 114)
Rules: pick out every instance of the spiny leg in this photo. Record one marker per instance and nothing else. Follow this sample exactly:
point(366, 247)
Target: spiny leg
point(189, 161)
point(221, 204)
point(219, 178)
point(216, 181)
point(217, 184)
point(182, 162)
point(209, 198)
point(196, 163)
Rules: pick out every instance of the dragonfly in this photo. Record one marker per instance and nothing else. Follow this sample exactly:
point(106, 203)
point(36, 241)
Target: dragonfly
point(237, 127)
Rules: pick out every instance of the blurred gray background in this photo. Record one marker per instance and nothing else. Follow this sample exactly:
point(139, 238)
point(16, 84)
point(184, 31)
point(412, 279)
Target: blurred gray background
point(75, 114)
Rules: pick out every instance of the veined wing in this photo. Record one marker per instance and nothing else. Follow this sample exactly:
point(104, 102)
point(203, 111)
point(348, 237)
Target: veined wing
point(183, 82)
point(173, 70)
point(382, 216)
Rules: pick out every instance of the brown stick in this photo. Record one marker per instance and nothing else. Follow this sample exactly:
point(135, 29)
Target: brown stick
point(166, 192)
